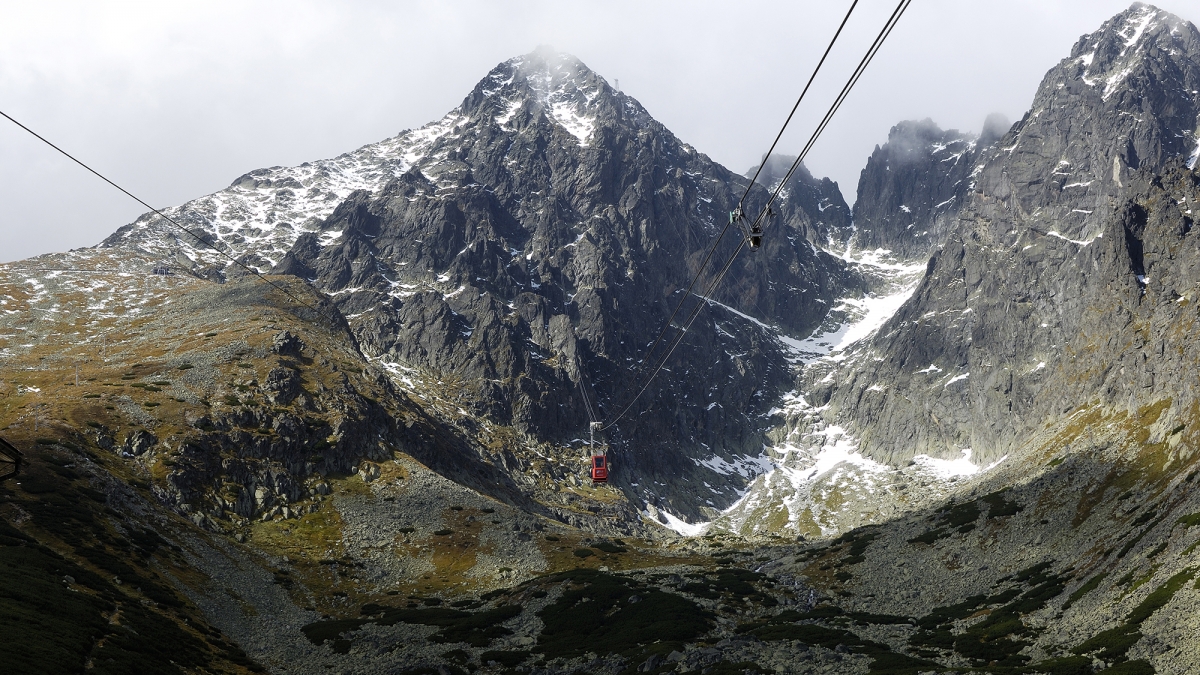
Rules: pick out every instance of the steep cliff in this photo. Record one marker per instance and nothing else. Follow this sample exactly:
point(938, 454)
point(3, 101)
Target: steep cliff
point(913, 186)
point(1019, 316)
point(530, 246)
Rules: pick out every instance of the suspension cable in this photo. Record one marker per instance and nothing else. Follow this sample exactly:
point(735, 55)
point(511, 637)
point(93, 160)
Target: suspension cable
point(168, 219)
point(712, 249)
point(854, 77)
point(675, 343)
point(795, 107)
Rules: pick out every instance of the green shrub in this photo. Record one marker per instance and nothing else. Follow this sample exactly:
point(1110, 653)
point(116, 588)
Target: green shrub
point(1089, 586)
point(609, 547)
point(1191, 520)
point(596, 609)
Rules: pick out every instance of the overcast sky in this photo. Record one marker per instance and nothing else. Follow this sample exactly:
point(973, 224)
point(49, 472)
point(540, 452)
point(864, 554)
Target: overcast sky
point(175, 100)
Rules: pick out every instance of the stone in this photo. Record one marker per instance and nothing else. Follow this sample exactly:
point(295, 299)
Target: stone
point(282, 385)
point(138, 442)
point(368, 471)
point(286, 344)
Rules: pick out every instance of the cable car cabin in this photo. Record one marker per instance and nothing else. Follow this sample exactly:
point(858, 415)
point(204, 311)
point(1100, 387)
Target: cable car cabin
point(755, 237)
point(599, 469)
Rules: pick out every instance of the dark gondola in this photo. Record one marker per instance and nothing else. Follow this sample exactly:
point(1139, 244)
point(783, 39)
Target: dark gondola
point(755, 236)
point(10, 460)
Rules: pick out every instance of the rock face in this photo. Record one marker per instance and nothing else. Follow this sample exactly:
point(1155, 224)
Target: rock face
point(1020, 315)
point(496, 263)
point(532, 245)
point(524, 252)
point(834, 227)
point(913, 186)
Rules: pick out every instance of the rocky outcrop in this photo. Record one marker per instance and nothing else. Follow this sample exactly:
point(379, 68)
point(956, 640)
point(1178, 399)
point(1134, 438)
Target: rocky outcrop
point(138, 442)
point(539, 250)
point(914, 185)
point(1041, 298)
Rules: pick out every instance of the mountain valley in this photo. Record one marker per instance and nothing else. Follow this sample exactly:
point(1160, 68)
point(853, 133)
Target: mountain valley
point(336, 417)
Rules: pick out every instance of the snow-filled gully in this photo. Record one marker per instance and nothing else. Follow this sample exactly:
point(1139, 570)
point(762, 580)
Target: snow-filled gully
point(816, 473)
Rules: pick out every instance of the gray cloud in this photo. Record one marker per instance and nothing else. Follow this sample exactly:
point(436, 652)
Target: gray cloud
point(175, 100)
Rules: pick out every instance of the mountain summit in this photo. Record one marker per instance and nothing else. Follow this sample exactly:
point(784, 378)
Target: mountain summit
point(530, 245)
point(977, 450)
point(1053, 291)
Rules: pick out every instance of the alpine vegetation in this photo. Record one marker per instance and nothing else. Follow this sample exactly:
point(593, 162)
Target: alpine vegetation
point(520, 391)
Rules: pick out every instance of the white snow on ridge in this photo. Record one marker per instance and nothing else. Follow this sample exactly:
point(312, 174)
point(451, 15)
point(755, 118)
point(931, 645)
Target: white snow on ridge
point(1191, 162)
point(1114, 81)
point(681, 526)
point(264, 212)
point(562, 92)
point(579, 126)
point(1138, 24)
point(956, 378)
point(839, 448)
point(1080, 242)
point(954, 468)
point(745, 466)
point(863, 316)
point(513, 106)
point(328, 238)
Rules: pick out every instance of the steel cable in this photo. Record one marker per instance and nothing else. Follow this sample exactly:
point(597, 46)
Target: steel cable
point(854, 77)
point(168, 219)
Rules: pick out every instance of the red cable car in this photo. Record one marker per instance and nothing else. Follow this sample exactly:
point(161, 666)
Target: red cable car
point(599, 469)
point(600, 464)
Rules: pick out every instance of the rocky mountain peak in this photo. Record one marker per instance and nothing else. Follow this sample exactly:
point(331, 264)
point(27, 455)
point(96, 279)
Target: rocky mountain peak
point(1130, 40)
point(528, 247)
point(552, 84)
point(913, 185)
point(1126, 97)
point(1035, 233)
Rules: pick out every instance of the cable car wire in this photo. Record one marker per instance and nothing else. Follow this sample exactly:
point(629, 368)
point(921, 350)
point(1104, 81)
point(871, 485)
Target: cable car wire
point(854, 77)
point(712, 249)
point(167, 218)
point(683, 331)
point(587, 404)
point(797, 106)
